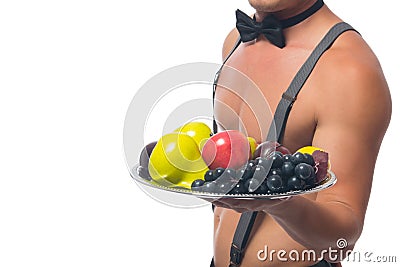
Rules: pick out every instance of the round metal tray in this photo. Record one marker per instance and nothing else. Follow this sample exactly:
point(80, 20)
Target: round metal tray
point(328, 182)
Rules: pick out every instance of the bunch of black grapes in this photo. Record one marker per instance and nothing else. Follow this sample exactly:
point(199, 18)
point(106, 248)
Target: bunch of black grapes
point(286, 173)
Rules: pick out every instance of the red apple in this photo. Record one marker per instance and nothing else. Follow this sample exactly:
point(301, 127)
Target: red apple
point(227, 149)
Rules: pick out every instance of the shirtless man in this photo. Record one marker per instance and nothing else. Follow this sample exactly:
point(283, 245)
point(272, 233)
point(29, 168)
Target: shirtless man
point(344, 107)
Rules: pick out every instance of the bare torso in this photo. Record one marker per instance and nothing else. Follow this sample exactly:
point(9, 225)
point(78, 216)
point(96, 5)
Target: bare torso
point(272, 69)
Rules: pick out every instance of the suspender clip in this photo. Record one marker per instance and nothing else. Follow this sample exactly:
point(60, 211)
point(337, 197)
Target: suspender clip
point(236, 256)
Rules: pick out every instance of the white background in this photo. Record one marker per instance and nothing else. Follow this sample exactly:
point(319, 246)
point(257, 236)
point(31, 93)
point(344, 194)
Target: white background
point(68, 71)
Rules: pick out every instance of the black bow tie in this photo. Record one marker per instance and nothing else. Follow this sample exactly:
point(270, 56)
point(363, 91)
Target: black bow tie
point(250, 29)
point(271, 27)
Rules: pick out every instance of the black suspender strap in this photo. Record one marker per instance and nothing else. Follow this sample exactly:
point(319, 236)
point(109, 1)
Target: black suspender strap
point(247, 219)
point(241, 237)
point(289, 97)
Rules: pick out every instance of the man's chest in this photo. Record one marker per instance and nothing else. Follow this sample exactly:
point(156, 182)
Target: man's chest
point(251, 86)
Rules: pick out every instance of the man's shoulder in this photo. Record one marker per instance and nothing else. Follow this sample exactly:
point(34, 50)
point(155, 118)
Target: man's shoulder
point(350, 62)
point(351, 79)
point(229, 42)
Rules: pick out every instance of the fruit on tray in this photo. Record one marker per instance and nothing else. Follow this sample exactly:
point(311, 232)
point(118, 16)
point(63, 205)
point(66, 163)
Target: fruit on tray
point(145, 154)
point(229, 163)
point(227, 149)
point(143, 169)
point(322, 163)
point(253, 145)
point(274, 173)
point(199, 131)
point(268, 147)
point(176, 161)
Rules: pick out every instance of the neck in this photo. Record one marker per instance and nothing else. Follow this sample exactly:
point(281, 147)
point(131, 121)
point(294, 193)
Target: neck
point(284, 12)
point(307, 33)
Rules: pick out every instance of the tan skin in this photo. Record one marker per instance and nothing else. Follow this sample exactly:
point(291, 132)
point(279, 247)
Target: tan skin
point(344, 107)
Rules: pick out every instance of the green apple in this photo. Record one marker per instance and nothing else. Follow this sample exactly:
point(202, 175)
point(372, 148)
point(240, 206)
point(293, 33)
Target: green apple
point(176, 161)
point(199, 131)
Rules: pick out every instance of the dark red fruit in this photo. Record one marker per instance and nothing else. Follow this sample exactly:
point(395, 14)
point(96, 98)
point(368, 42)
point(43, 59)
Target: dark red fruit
point(145, 154)
point(321, 164)
point(144, 173)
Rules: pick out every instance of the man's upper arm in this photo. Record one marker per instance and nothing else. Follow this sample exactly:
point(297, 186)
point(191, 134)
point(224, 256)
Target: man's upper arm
point(352, 117)
point(227, 113)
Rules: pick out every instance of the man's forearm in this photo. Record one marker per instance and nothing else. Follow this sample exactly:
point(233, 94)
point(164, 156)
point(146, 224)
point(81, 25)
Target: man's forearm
point(317, 225)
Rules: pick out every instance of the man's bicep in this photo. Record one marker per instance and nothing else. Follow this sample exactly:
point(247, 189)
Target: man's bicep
point(350, 128)
point(352, 162)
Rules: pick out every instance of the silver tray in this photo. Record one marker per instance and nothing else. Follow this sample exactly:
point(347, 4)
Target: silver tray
point(326, 183)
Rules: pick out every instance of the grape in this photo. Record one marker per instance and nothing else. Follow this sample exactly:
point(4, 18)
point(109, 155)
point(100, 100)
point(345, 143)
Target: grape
point(265, 162)
point(287, 158)
point(277, 159)
point(231, 172)
point(287, 169)
point(262, 189)
point(218, 172)
point(298, 158)
point(209, 176)
point(252, 185)
point(311, 181)
point(197, 183)
point(251, 164)
point(240, 173)
point(309, 159)
point(225, 186)
point(304, 171)
point(275, 172)
point(294, 183)
point(274, 183)
point(259, 173)
point(209, 187)
point(226, 181)
point(239, 188)
point(246, 172)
